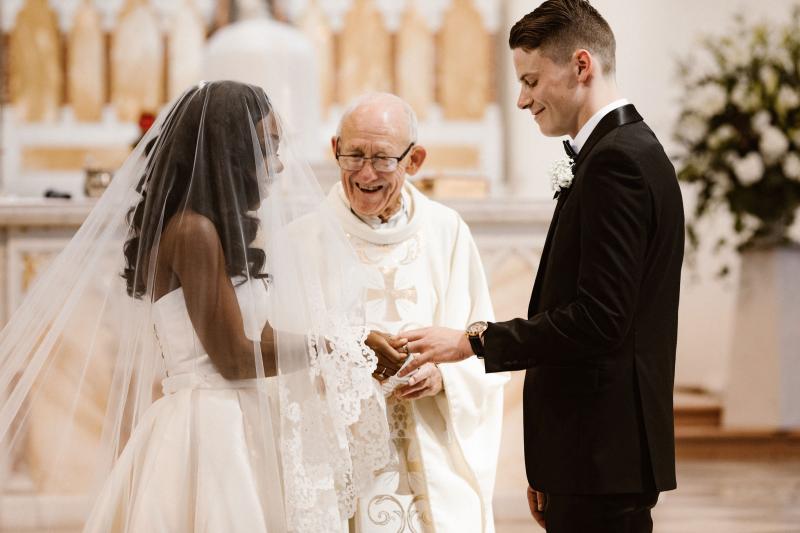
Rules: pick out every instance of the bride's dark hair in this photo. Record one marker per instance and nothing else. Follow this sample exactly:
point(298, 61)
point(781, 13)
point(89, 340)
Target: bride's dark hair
point(202, 159)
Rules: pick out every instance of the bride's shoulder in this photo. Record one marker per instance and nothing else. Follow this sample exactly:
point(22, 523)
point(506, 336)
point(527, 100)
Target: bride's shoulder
point(191, 225)
point(191, 236)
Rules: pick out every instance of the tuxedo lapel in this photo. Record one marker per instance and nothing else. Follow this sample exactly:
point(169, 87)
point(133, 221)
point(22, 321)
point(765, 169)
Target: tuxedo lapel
point(620, 116)
point(614, 119)
point(537, 284)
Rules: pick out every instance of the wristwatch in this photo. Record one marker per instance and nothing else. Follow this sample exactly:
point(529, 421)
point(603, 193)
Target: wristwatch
point(474, 333)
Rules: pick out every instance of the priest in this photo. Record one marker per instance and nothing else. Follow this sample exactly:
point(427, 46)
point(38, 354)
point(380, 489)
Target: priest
point(422, 269)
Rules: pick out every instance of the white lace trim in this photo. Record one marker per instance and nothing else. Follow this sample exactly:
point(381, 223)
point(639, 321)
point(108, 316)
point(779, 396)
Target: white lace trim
point(323, 477)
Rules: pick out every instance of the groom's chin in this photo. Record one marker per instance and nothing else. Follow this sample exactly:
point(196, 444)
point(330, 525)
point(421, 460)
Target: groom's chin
point(549, 133)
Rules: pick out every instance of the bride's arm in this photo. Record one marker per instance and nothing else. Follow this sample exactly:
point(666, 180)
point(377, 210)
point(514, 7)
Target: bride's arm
point(197, 259)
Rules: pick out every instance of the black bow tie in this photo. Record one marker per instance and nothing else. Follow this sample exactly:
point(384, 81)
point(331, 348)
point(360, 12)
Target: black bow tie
point(571, 153)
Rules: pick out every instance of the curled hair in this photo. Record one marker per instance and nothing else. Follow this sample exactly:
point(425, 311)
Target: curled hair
point(559, 27)
point(202, 159)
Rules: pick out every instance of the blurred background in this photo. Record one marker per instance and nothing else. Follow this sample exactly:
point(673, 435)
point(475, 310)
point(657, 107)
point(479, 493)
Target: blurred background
point(716, 80)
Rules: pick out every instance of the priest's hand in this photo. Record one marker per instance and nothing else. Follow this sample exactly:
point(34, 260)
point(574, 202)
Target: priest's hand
point(426, 382)
point(435, 345)
point(386, 348)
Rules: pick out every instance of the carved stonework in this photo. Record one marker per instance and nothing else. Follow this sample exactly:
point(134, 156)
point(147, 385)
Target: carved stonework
point(365, 53)
point(136, 62)
point(316, 28)
point(32, 264)
point(35, 63)
point(186, 38)
point(86, 62)
point(414, 62)
point(465, 63)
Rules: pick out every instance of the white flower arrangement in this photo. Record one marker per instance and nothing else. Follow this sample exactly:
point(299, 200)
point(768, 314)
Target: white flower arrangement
point(738, 129)
point(561, 174)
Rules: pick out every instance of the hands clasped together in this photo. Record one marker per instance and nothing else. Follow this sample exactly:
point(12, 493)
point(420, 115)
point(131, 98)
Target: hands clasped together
point(392, 351)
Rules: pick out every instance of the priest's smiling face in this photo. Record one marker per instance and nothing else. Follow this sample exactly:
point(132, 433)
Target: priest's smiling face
point(377, 128)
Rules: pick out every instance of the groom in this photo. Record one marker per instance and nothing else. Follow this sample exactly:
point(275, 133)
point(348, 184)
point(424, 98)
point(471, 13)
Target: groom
point(598, 344)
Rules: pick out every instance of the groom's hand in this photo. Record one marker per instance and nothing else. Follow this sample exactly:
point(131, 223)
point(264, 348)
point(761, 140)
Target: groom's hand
point(536, 503)
point(435, 345)
point(386, 348)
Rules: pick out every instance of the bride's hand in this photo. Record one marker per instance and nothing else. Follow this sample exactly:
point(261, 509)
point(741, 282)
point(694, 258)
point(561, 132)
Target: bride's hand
point(386, 348)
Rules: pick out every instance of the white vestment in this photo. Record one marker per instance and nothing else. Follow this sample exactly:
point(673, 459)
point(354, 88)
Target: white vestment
point(427, 271)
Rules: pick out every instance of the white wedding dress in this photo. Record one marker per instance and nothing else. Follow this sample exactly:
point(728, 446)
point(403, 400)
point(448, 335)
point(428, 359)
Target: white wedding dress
point(194, 462)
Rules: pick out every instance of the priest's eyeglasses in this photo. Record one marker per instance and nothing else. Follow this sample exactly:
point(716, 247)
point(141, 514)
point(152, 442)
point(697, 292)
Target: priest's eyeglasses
point(355, 162)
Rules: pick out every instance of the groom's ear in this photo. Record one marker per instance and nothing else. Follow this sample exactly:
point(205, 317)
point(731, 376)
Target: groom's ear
point(584, 65)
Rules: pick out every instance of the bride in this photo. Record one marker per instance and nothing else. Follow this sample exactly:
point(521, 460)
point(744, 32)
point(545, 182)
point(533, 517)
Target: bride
point(210, 263)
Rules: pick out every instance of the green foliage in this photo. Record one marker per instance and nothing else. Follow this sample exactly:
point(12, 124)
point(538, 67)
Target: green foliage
point(739, 129)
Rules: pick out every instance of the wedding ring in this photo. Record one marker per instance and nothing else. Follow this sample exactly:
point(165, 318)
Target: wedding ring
point(404, 349)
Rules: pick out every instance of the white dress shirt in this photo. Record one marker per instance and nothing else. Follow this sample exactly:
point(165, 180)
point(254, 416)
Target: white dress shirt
point(587, 129)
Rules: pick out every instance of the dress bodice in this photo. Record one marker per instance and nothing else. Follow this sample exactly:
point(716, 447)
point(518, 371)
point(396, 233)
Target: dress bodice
point(187, 361)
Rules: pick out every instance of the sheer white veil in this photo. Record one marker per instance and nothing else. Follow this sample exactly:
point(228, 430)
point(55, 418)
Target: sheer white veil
point(212, 202)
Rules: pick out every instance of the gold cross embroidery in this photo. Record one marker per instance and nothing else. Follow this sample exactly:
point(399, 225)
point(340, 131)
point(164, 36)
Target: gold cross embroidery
point(391, 294)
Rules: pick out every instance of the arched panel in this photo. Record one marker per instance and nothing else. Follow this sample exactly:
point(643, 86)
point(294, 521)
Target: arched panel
point(137, 57)
point(415, 62)
point(365, 53)
point(35, 77)
point(86, 64)
point(316, 28)
point(187, 38)
point(466, 65)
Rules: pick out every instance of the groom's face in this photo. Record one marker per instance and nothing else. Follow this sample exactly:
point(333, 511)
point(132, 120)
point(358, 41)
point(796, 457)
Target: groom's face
point(549, 91)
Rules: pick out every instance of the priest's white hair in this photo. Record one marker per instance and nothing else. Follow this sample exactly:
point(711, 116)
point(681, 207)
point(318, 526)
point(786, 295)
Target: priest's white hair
point(387, 98)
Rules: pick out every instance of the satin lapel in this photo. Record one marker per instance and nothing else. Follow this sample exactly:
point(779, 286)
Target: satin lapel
point(614, 119)
point(537, 289)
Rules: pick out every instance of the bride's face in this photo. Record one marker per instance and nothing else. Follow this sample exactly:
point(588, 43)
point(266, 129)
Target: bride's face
point(269, 139)
point(550, 91)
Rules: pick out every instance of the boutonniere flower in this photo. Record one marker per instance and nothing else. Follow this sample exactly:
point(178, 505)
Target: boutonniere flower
point(561, 174)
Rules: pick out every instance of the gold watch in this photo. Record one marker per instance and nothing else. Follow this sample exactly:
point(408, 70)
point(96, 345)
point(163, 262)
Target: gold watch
point(474, 333)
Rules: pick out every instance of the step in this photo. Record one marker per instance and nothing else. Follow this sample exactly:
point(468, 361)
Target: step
point(696, 408)
point(697, 442)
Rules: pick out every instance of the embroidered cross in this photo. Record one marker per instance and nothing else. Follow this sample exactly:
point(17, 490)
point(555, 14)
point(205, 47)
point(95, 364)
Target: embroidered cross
point(391, 294)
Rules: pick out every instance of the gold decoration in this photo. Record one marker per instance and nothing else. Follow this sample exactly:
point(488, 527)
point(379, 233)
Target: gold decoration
point(32, 264)
point(187, 37)
point(35, 158)
point(414, 61)
point(86, 64)
point(465, 54)
point(35, 63)
point(136, 62)
point(365, 52)
point(315, 26)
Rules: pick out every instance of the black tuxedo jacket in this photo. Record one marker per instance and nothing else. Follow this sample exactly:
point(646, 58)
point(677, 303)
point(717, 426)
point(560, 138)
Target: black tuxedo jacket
point(599, 340)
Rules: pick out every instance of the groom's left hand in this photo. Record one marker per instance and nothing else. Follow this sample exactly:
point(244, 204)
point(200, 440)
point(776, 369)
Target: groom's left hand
point(435, 345)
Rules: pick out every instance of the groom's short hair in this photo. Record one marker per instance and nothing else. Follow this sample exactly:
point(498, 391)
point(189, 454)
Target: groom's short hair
point(559, 27)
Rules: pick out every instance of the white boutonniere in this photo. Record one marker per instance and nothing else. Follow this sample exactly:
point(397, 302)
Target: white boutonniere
point(561, 174)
